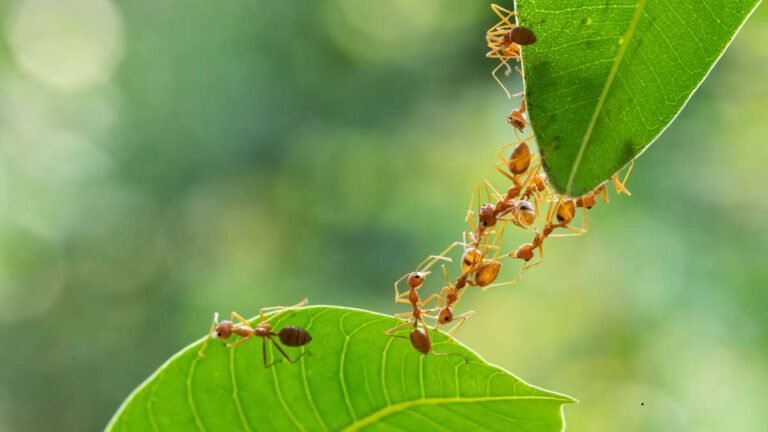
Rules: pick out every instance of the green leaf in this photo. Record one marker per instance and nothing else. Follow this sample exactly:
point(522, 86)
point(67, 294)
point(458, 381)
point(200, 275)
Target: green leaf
point(606, 77)
point(357, 378)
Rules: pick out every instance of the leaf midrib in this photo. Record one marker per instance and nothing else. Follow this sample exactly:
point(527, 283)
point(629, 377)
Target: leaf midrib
point(604, 94)
point(402, 406)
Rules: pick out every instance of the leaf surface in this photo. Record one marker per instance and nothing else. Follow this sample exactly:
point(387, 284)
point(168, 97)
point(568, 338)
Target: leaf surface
point(357, 378)
point(606, 77)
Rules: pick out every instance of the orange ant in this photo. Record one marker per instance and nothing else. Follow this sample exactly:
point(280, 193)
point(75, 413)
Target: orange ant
point(419, 336)
point(289, 336)
point(521, 212)
point(526, 252)
point(504, 40)
point(485, 273)
point(518, 118)
point(519, 163)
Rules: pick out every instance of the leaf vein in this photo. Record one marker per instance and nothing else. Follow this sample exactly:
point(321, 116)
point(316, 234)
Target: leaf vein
point(604, 94)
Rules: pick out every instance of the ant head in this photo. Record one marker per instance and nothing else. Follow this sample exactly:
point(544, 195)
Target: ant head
point(524, 252)
point(223, 330)
point(416, 279)
point(588, 201)
point(517, 119)
point(487, 216)
point(446, 315)
point(566, 211)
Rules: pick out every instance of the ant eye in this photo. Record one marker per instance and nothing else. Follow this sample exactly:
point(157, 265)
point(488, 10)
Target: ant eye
point(218, 334)
point(418, 276)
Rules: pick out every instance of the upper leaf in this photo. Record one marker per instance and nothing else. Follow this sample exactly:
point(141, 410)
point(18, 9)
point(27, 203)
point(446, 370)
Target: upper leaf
point(356, 378)
point(606, 77)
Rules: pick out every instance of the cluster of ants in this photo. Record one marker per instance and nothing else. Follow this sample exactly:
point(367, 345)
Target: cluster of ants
point(482, 259)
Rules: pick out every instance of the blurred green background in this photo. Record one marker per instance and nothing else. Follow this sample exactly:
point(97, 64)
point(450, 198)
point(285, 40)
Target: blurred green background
point(160, 161)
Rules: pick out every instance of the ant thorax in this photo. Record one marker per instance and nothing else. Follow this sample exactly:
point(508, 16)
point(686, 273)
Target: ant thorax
point(262, 330)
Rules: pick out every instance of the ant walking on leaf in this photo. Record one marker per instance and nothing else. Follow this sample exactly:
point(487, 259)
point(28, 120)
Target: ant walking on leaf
point(291, 336)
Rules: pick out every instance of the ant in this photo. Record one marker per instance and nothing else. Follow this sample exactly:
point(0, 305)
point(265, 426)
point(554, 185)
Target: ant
point(526, 252)
point(517, 117)
point(419, 336)
point(521, 212)
point(291, 336)
point(504, 40)
point(485, 273)
point(519, 163)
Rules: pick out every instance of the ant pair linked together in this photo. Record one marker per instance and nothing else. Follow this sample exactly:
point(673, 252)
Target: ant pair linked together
point(482, 259)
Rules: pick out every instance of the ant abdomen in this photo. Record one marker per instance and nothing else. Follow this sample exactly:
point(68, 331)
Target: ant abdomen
point(487, 273)
point(294, 336)
point(446, 315)
point(520, 159)
point(420, 341)
point(525, 212)
point(520, 35)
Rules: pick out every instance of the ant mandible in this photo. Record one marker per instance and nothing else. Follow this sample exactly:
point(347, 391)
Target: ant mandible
point(291, 336)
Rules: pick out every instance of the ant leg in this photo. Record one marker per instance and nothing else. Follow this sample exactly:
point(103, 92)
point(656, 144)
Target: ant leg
point(398, 294)
point(264, 352)
point(493, 73)
point(604, 193)
point(429, 300)
point(282, 351)
point(430, 261)
point(470, 214)
point(236, 316)
point(280, 309)
point(393, 330)
point(499, 284)
point(239, 342)
point(447, 279)
point(442, 298)
point(569, 234)
point(541, 259)
point(496, 193)
point(621, 185)
point(204, 346)
point(507, 175)
point(448, 249)
point(504, 14)
point(460, 320)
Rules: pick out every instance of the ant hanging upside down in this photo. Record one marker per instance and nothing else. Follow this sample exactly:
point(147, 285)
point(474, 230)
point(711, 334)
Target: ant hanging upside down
point(291, 336)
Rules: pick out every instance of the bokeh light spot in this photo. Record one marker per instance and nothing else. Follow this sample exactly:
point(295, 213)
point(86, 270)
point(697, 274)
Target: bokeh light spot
point(69, 45)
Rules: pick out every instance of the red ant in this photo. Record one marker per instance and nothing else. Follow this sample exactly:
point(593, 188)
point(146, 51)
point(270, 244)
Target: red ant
point(289, 336)
point(419, 336)
point(504, 40)
point(518, 118)
point(526, 252)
